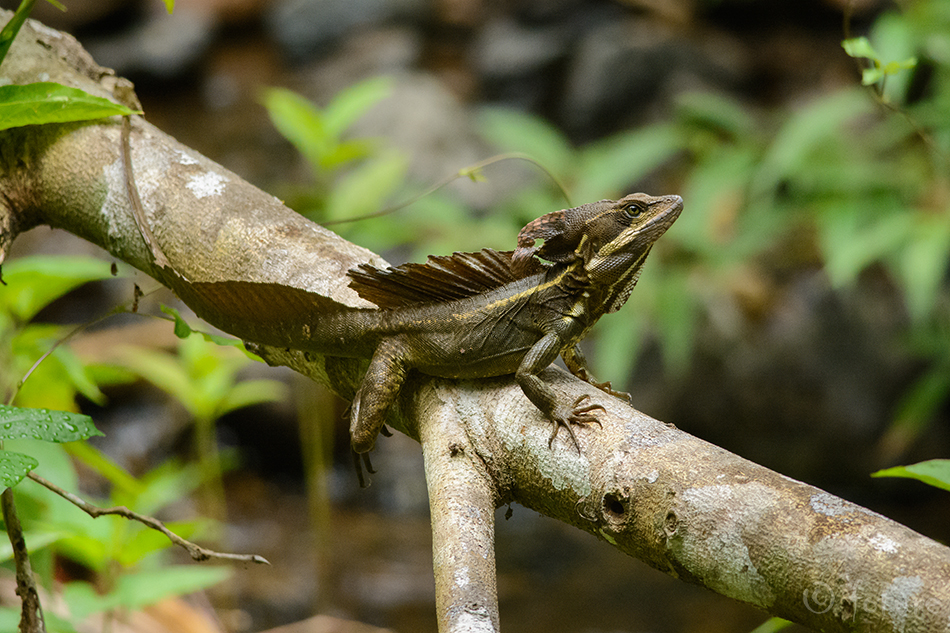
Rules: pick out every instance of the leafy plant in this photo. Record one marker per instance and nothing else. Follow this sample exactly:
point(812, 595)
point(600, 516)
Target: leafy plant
point(125, 557)
point(935, 472)
point(203, 377)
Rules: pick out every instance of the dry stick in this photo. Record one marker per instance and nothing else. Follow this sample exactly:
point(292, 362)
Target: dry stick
point(31, 614)
point(197, 552)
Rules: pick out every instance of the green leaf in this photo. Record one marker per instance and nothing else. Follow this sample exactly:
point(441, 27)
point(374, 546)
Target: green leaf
point(300, 122)
point(617, 344)
point(365, 189)
point(43, 424)
point(140, 589)
point(46, 102)
point(32, 283)
point(14, 467)
point(609, 167)
point(251, 392)
point(817, 125)
point(101, 463)
point(12, 27)
point(677, 314)
point(851, 238)
point(707, 110)
point(36, 539)
point(772, 625)
point(353, 102)
point(935, 472)
point(183, 330)
point(872, 75)
point(515, 131)
point(146, 541)
point(859, 47)
point(922, 264)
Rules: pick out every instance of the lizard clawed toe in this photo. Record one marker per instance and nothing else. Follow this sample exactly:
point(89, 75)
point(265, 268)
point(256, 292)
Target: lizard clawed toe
point(360, 461)
point(579, 415)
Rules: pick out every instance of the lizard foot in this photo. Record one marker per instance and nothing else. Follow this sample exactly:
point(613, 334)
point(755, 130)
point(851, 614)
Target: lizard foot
point(606, 388)
point(361, 460)
point(580, 414)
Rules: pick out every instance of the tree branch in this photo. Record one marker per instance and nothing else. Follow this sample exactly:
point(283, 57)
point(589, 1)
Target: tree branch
point(31, 612)
point(196, 552)
point(680, 504)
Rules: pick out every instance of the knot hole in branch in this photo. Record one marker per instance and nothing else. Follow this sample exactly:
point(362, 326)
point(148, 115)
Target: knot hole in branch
point(615, 506)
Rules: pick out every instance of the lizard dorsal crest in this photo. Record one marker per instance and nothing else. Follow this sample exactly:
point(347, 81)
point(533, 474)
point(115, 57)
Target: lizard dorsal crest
point(441, 278)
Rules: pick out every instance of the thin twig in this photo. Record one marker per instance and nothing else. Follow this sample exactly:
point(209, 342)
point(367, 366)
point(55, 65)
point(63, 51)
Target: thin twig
point(469, 172)
point(197, 552)
point(31, 615)
point(138, 211)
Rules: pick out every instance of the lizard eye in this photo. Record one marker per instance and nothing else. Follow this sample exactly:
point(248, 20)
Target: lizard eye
point(633, 211)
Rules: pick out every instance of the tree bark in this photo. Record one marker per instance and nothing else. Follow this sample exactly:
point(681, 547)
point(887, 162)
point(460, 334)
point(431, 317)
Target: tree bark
point(682, 505)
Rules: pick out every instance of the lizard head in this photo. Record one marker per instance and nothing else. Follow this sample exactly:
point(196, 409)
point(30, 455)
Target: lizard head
point(594, 225)
point(613, 257)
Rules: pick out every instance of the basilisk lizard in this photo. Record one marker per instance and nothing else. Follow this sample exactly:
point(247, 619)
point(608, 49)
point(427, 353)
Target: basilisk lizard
point(468, 315)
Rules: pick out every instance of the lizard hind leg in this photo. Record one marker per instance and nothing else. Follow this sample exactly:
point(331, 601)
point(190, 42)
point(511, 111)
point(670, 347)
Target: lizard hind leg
point(376, 395)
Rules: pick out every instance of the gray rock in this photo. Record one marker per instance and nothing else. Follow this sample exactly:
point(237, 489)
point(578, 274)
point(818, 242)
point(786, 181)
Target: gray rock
point(625, 73)
point(164, 46)
point(306, 27)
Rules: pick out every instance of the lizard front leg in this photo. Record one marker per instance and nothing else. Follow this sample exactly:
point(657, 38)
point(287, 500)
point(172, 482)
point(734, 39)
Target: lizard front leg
point(574, 360)
point(540, 393)
point(377, 393)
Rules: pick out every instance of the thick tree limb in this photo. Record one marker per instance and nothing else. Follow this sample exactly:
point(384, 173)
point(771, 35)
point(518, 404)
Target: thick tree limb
point(680, 504)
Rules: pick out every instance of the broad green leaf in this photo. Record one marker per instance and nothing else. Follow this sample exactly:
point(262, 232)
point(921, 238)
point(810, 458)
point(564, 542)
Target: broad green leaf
point(34, 282)
point(716, 112)
point(51, 385)
point(353, 102)
point(677, 314)
point(139, 589)
point(250, 392)
point(101, 463)
point(515, 131)
point(918, 404)
point(14, 467)
point(346, 152)
point(46, 102)
point(147, 541)
point(35, 539)
point(79, 375)
point(935, 472)
point(163, 485)
point(715, 198)
point(12, 27)
point(617, 342)
point(300, 122)
point(366, 188)
point(794, 146)
point(922, 264)
point(611, 166)
point(43, 424)
point(851, 239)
